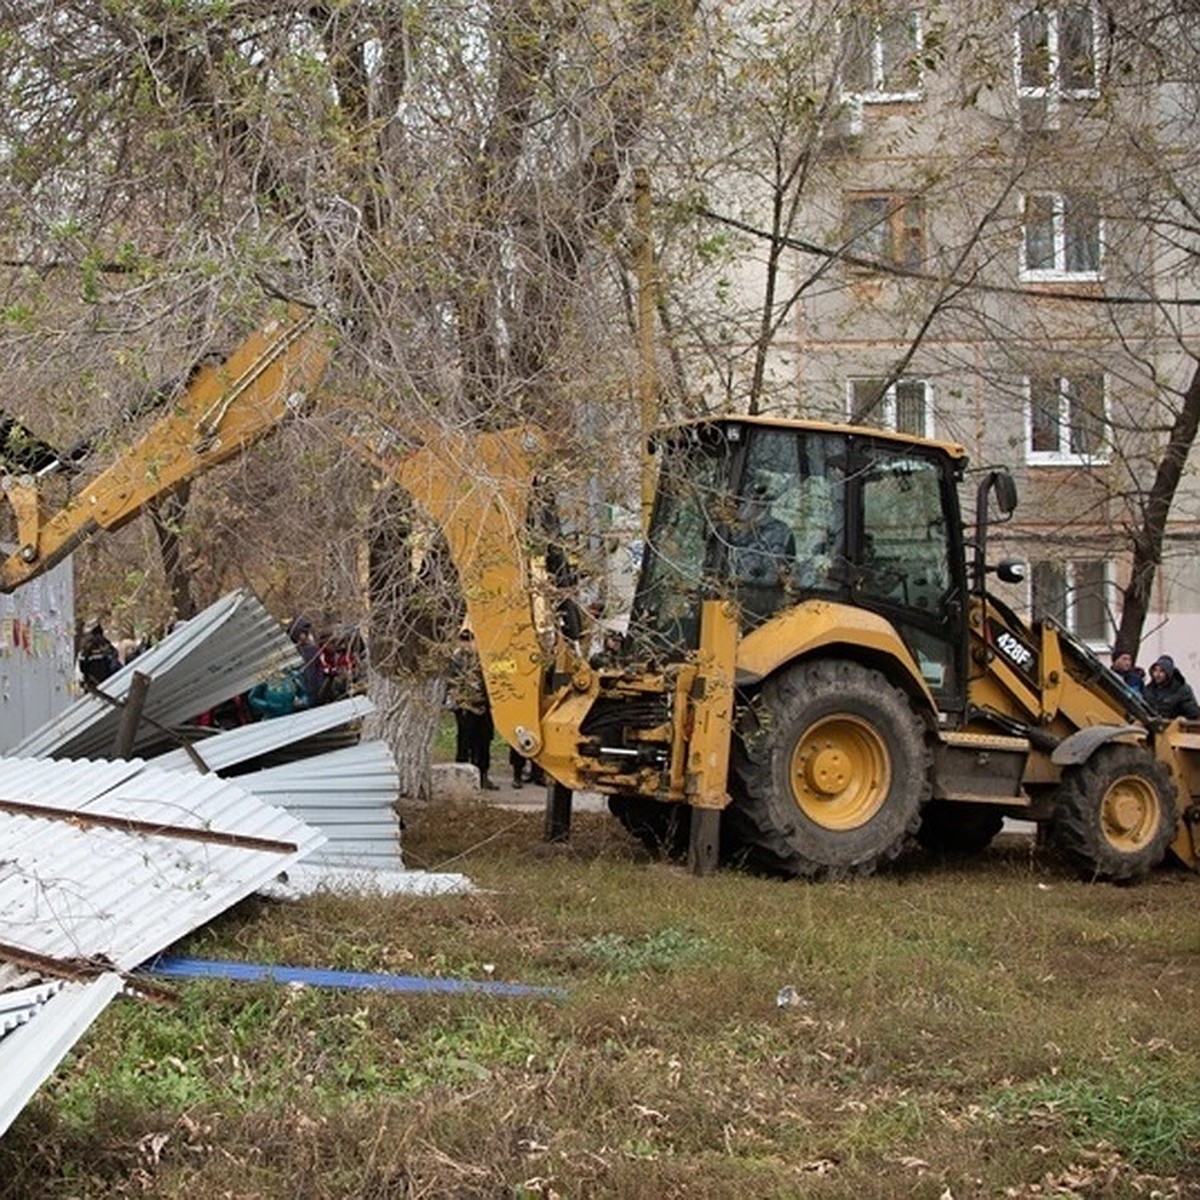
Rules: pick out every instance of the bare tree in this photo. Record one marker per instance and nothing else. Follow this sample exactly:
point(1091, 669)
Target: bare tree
point(438, 180)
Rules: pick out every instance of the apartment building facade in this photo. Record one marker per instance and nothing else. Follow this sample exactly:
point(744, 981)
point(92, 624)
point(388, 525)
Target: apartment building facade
point(995, 251)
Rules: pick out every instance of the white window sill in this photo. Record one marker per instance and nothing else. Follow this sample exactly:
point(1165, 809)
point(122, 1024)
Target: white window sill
point(1028, 93)
point(1046, 458)
point(1062, 276)
point(882, 97)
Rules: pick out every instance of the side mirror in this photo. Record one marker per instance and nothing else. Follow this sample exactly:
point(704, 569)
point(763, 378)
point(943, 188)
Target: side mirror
point(1010, 571)
point(1000, 484)
point(1006, 493)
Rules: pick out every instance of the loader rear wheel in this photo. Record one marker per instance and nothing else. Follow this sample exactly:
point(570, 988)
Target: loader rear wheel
point(829, 772)
point(662, 828)
point(1115, 815)
point(960, 829)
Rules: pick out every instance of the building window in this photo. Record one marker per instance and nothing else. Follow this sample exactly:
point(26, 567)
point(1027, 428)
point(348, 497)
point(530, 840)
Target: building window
point(1062, 236)
point(881, 58)
point(1056, 55)
point(886, 227)
point(1073, 593)
point(1066, 420)
point(903, 405)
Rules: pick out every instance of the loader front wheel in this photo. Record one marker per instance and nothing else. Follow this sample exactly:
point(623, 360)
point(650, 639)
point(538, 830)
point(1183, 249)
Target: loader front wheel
point(1115, 815)
point(830, 771)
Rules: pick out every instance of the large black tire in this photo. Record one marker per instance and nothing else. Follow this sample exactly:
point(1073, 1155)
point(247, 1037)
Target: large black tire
point(1115, 815)
point(958, 829)
point(663, 829)
point(830, 770)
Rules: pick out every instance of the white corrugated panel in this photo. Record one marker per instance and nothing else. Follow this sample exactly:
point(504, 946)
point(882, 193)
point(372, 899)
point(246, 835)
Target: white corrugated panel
point(69, 888)
point(225, 650)
point(72, 888)
point(22, 1005)
point(29, 1054)
point(248, 742)
point(309, 879)
point(37, 652)
point(349, 794)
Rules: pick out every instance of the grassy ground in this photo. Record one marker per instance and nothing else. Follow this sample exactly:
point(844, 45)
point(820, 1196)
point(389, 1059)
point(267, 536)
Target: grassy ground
point(996, 1029)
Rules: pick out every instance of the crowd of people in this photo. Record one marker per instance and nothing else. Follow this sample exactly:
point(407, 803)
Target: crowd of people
point(1163, 687)
point(332, 667)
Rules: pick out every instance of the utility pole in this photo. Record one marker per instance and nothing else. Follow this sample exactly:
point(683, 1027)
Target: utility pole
point(647, 301)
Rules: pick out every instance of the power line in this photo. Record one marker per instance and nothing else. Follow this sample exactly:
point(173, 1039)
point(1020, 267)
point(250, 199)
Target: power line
point(902, 272)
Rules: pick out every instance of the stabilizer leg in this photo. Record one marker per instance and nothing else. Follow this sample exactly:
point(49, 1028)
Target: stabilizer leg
point(704, 841)
point(558, 812)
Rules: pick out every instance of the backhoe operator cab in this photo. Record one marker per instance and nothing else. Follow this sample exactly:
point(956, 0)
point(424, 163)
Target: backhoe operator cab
point(856, 520)
point(813, 674)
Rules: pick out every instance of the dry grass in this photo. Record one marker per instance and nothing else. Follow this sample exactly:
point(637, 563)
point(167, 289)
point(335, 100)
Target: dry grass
point(990, 1029)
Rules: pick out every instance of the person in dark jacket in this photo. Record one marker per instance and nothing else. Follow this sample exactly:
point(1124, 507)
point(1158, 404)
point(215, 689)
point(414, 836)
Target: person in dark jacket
point(468, 697)
point(311, 667)
point(1168, 693)
point(98, 657)
point(1122, 666)
point(762, 548)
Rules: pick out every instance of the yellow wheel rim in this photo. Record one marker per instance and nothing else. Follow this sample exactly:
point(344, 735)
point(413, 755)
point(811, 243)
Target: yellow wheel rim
point(1130, 812)
point(841, 772)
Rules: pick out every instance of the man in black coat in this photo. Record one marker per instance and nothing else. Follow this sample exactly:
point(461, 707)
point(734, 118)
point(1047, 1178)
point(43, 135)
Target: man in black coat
point(98, 657)
point(468, 696)
point(1168, 693)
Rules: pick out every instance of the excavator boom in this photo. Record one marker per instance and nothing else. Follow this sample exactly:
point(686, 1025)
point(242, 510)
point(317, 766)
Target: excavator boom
point(224, 410)
point(475, 487)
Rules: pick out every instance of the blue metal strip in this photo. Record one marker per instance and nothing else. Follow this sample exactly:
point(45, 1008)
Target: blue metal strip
point(199, 968)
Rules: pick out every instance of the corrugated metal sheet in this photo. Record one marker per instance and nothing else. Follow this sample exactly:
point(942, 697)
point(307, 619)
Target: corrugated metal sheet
point(248, 742)
point(72, 886)
point(308, 879)
point(349, 795)
point(30, 1053)
point(37, 653)
point(227, 649)
point(109, 863)
point(23, 1004)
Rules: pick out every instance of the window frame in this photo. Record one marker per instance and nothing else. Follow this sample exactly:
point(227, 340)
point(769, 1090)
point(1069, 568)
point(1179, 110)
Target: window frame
point(1069, 619)
point(877, 93)
point(888, 406)
point(896, 222)
point(1059, 220)
point(1066, 457)
point(1053, 92)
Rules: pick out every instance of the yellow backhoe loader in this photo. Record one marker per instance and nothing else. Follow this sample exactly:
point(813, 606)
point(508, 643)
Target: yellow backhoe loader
point(815, 672)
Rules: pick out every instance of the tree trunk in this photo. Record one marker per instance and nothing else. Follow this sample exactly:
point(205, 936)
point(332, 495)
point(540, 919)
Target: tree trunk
point(407, 714)
point(1148, 538)
point(415, 612)
point(168, 515)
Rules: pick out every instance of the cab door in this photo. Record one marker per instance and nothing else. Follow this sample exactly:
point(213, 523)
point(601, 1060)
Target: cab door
point(906, 557)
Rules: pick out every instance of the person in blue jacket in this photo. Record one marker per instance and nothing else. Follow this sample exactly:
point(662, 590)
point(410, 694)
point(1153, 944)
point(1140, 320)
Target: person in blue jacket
point(1132, 676)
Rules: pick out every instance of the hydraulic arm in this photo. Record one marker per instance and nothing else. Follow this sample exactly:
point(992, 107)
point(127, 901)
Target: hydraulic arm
point(474, 487)
point(224, 410)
